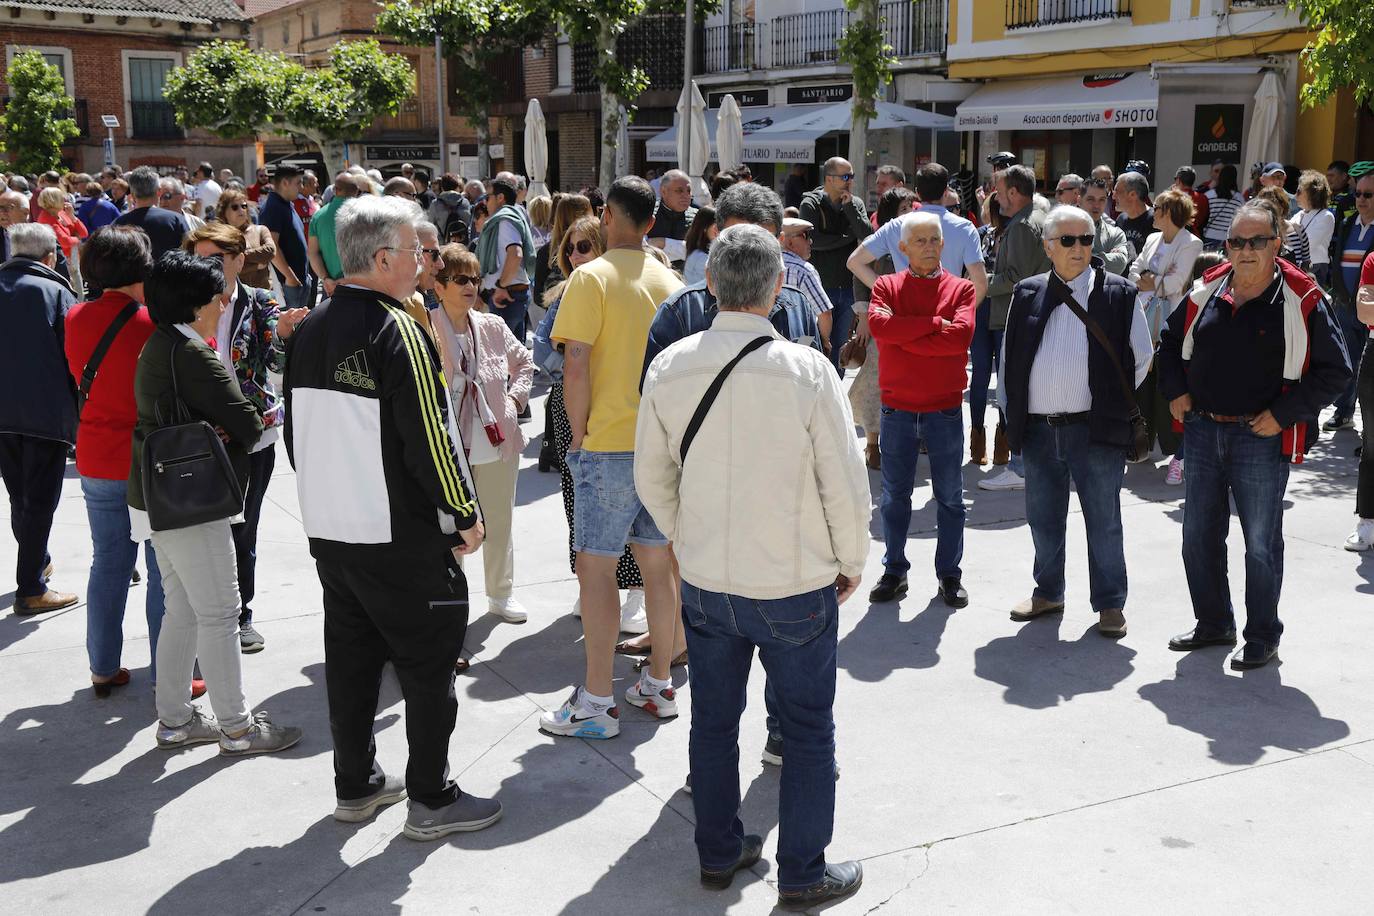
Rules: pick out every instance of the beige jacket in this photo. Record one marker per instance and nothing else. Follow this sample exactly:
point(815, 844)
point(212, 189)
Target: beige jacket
point(774, 498)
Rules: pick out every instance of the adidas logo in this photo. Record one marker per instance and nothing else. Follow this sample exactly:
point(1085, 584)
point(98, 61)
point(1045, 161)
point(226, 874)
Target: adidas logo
point(353, 371)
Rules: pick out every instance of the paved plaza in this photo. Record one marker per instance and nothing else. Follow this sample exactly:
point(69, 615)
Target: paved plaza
point(988, 766)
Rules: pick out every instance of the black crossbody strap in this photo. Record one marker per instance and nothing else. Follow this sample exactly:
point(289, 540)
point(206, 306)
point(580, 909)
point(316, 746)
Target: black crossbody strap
point(107, 341)
point(1061, 290)
point(712, 392)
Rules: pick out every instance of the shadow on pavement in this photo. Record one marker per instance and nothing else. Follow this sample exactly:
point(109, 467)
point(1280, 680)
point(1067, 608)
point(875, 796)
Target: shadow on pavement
point(880, 642)
point(1241, 716)
point(1040, 670)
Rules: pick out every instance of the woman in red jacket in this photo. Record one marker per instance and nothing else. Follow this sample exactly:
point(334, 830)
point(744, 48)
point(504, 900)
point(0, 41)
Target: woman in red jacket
point(116, 259)
point(55, 210)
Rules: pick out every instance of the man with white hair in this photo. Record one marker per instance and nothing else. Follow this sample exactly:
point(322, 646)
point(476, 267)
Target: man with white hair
point(387, 503)
point(728, 416)
point(922, 320)
point(1069, 403)
point(673, 217)
point(38, 411)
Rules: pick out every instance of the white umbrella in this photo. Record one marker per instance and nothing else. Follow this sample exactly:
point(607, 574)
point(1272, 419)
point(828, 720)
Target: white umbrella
point(622, 146)
point(840, 115)
point(536, 149)
point(1263, 143)
point(730, 135)
point(691, 109)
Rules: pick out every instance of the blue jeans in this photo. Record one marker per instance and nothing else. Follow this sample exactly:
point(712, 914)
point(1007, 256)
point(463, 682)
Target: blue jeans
point(297, 297)
point(797, 641)
point(842, 318)
point(607, 512)
point(899, 439)
point(514, 313)
point(987, 356)
point(1228, 460)
point(1053, 456)
point(112, 563)
point(1356, 335)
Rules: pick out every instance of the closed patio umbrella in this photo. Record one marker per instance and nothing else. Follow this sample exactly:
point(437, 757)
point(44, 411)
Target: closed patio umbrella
point(692, 157)
point(730, 135)
point(536, 149)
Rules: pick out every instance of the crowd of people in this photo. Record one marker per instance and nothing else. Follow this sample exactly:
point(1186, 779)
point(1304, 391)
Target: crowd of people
point(392, 333)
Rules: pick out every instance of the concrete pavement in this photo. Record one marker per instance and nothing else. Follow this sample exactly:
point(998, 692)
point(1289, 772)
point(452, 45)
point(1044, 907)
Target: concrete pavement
point(988, 766)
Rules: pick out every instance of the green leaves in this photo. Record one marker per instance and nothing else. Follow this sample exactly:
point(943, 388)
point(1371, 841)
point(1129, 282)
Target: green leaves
point(1342, 53)
point(864, 48)
point(37, 120)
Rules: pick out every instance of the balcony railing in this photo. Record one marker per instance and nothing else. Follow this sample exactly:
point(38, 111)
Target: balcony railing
point(1029, 13)
point(809, 39)
point(154, 121)
point(78, 113)
point(653, 43)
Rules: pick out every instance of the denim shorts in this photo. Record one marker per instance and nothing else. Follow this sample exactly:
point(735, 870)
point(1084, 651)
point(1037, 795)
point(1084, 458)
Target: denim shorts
point(607, 512)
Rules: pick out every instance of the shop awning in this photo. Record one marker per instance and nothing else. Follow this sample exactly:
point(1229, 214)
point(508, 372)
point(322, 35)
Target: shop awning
point(1101, 100)
point(791, 146)
point(840, 115)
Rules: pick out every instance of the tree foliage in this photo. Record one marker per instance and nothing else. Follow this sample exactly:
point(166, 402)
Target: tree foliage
point(37, 120)
point(864, 47)
point(233, 91)
point(1342, 54)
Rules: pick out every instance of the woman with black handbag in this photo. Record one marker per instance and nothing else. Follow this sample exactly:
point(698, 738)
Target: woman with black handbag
point(186, 488)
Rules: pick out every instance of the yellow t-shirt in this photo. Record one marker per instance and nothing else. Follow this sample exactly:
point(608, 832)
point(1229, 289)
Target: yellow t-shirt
point(609, 303)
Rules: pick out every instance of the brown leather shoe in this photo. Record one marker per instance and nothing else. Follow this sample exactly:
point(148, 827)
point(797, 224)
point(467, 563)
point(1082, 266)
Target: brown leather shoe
point(1111, 622)
point(1001, 452)
point(42, 604)
point(1034, 607)
point(874, 457)
point(978, 445)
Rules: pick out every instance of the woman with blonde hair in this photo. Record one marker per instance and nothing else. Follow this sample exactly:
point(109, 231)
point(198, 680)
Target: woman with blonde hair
point(540, 210)
point(489, 374)
point(547, 272)
point(233, 210)
point(582, 241)
point(55, 209)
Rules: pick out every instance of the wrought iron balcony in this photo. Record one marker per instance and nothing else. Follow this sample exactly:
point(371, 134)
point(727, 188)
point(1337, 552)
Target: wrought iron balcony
point(154, 121)
point(800, 39)
point(914, 29)
point(732, 47)
point(78, 113)
point(1030, 13)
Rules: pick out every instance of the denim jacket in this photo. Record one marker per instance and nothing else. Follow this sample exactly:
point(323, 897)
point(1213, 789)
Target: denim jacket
point(256, 350)
point(546, 355)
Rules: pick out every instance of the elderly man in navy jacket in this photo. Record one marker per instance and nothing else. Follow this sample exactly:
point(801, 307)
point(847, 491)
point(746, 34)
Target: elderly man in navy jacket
point(38, 412)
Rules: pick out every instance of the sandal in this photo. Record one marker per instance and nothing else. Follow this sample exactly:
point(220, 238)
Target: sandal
point(629, 647)
point(679, 662)
point(104, 688)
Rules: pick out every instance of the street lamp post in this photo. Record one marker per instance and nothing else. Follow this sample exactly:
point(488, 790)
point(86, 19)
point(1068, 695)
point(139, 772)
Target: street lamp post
point(439, 94)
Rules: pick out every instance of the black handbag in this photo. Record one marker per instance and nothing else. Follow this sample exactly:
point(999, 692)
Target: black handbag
point(187, 477)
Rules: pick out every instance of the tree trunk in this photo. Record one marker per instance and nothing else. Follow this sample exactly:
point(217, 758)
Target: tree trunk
point(332, 152)
point(867, 13)
point(610, 109)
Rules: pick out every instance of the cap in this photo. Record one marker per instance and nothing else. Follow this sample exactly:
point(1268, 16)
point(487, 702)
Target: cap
point(1003, 158)
point(1360, 169)
point(1272, 167)
point(793, 226)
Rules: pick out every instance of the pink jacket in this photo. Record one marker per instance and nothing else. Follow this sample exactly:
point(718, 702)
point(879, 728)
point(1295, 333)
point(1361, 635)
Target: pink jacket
point(500, 357)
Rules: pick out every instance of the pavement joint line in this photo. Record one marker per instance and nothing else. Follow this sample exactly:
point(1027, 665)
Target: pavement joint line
point(905, 887)
point(1343, 750)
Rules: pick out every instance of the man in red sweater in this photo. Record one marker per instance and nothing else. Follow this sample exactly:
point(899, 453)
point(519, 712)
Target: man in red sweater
point(922, 321)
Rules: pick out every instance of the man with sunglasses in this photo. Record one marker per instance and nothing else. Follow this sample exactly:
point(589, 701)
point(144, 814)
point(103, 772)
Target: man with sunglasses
point(798, 271)
point(1351, 243)
point(837, 212)
point(1068, 191)
point(1247, 361)
point(1068, 413)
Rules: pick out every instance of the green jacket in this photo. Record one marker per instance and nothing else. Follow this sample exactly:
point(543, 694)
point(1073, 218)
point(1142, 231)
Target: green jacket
point(488, 243)
point(838, 231)
point(207, 389)
point(1020, 254)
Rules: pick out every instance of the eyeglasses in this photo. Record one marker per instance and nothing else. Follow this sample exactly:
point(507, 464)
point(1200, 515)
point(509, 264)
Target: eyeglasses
point(1258, 242)
point(847, 176)
point(417, 252)
point(464, 280)
point(1364, 195)
point(431, 253)
point(1068, 241)
point(582, 246)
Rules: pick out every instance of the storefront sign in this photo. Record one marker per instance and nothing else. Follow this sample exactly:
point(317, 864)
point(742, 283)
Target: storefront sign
point(1216, 133)
point(744, 98)
point(819, 95)
point(403, 152)
point(1095, 101)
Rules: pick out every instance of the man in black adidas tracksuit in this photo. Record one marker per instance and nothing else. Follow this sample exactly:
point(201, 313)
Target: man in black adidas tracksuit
point(387, 502)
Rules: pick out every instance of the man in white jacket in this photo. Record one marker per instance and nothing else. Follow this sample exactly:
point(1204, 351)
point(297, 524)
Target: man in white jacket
point(768, 512)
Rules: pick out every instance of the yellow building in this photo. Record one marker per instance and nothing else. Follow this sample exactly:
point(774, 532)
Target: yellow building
point(1066, 84)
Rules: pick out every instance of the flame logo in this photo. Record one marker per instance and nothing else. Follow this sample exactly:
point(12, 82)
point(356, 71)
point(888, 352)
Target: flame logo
point(1219, 128)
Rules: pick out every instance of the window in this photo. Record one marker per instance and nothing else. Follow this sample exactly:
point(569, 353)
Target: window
point(150, 116)
point(286, 32)
point(61, 58)
point(315, 24)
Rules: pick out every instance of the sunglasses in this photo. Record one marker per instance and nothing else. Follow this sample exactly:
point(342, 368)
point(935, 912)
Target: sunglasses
point(1068, 241)
point(1064, 190)
point(847, 176)
point(582, 247)
point(1258, 242)
point(1363, 194)
point(238, 206)
point(803, 235)
point(431, 253)
point(464, 280)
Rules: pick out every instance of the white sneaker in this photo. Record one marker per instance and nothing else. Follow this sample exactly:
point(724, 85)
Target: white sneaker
point(508, 609)
point(572, 720)
point(1174, 476)
point(1363, 538)
point(632, 617)
point(662, 703)
point(577, 608)
point(1007, 480)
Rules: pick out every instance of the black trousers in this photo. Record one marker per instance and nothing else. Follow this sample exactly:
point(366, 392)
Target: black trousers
point(412, 612)
point(260, 465)
point(33, 470)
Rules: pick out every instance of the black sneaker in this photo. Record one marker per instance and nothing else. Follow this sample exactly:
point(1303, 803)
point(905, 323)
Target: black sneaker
point(1198, 638)
point(1339, 421)
point(840, 880)
point(748, 855)
point(953, 592)
point(772, 750)
point(890, 587)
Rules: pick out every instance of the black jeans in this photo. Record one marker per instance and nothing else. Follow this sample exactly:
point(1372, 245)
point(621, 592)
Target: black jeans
point(33, 470)
point(412, 612)
point(260, 465)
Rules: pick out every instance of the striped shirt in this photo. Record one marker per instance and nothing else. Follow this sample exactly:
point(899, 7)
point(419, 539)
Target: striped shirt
point(804, 276)
point(1353, 249)
point(1220, 212)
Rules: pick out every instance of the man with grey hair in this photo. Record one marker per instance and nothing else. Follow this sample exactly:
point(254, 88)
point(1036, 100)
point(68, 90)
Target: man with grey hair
point(1247, 363)
point(750, 563)
point(387, 503)
point(1068, 191)
point(1134, 215)
point(172, 196)
point(922, 320)
point(673, 217)
point(38, 411)
point(165, 227)
point(1069, 406)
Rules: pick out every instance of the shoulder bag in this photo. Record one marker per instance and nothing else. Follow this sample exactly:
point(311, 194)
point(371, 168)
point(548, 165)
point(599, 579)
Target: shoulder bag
point(1139, 449)
point(710, 396)
point(83, 390)
point(187, 477)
